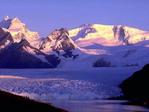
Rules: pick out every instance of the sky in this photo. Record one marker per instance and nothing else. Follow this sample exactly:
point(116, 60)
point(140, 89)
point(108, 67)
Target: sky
point(44, 16)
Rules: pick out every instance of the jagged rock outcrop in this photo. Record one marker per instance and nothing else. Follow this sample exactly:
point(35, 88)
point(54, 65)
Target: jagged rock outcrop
point(121, 34)
point(5, 38)
point(102, 63)
point(60, 42)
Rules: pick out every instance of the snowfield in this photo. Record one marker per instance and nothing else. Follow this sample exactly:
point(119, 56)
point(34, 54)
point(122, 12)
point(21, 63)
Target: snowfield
point(48, 84)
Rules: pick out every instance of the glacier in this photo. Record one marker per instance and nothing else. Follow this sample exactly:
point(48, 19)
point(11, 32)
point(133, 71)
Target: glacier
point(83, 84)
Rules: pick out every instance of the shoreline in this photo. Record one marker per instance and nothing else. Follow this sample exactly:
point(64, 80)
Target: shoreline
point(12, 102)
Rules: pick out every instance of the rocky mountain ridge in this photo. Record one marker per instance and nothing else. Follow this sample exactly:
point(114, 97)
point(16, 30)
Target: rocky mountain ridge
point(80, 47)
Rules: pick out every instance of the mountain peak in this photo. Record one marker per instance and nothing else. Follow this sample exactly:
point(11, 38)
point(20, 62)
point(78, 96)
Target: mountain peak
point(12, 24)
point(56, 34)
point(16, 25)
point(6, 18)
point(17, 29)
point(58, 40)
point(16, 20)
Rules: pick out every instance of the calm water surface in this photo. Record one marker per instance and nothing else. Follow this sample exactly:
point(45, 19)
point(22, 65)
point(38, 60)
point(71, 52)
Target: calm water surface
point(97, 106)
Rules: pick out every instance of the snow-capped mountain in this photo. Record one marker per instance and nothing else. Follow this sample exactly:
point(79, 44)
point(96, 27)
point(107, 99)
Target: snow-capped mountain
point(109, 46)
point(60, 42)
point(19, 47)
point(87, 46)
point(17, 29)
point(107, 35)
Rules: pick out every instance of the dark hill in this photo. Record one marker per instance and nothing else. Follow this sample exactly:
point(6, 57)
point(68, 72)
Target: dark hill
point(13, 103)
point(136, 87)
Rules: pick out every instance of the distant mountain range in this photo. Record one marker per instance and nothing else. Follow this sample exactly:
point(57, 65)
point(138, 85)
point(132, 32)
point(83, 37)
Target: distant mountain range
point(87, 46)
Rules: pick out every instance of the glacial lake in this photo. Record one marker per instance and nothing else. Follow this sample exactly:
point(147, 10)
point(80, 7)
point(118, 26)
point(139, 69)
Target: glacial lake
point(97, 106)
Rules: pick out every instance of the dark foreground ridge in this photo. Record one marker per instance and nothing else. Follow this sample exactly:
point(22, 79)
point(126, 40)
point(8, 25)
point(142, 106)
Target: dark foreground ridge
point(13, 103)
point(135, 88)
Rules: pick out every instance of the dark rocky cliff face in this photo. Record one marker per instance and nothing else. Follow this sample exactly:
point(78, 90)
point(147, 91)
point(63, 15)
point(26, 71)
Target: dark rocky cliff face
point(4, 37)
point(121, 35)
point(15, 56)
point(136, 87)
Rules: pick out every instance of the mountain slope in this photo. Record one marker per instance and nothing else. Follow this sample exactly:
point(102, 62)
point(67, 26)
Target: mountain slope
point(87, 46)
point(16, 47)
point(107, 35)
point(17, 56)
point(116, 45)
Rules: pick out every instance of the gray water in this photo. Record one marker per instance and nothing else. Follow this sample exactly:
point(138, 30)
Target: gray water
point(97, 106)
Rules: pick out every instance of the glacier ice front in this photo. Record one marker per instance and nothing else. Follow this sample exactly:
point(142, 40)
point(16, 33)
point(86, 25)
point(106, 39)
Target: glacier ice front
point(44, 89)
point(65, 84)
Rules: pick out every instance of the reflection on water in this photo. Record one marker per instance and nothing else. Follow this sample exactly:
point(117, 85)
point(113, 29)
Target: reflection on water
point(97, 106)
